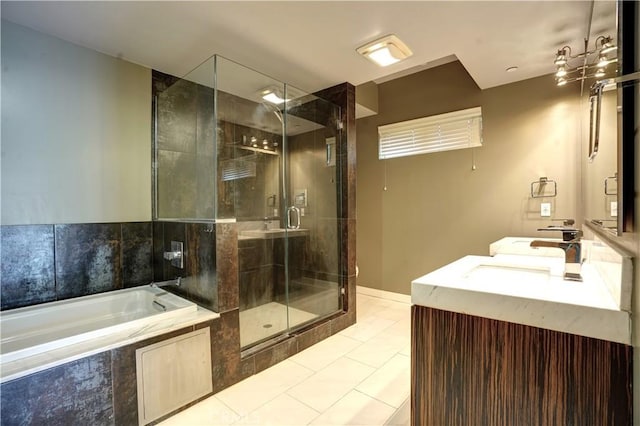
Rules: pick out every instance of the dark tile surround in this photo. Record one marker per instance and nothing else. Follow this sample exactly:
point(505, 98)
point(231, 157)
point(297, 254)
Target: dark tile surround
point(44, 263)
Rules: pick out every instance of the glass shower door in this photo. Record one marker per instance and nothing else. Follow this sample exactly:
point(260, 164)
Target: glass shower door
point(312, 182)
point(277, 178)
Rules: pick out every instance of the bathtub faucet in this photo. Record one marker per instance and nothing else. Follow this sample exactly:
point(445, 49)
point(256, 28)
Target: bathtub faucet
point(177, 282)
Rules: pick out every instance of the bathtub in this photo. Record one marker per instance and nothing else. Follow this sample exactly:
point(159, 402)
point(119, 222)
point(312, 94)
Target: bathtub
point(38, 337)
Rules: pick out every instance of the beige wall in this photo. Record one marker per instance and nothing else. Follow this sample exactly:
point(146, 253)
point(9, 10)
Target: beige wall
point(76, 133)
point(436, 208)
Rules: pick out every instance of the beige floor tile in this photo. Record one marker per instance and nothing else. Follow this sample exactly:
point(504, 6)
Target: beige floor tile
point(402, 416)
point(357, 377)
point(325, 352)
point(281, 411)
point(327, 386)
point(367, 328)
point(380, 349)
point(397, 311)
point(210, 412)
point(406, 351)
point(356, 409)
point(255, 391)
point(391, 383)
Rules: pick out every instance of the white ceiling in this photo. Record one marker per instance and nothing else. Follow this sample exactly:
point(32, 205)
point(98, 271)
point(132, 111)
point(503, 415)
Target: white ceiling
point(312, 45)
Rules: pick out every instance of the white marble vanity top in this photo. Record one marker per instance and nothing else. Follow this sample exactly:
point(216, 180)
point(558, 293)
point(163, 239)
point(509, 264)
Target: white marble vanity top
point(528, 290)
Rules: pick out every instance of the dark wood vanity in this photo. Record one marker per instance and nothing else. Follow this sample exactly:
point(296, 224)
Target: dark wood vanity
point(469, 370)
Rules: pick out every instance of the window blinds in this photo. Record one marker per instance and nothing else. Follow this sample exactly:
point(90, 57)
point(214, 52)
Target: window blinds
point(443, 132)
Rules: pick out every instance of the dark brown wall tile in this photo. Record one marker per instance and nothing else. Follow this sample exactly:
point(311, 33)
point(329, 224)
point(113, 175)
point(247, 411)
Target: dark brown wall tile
point(313, 336)
point(27, 262)
point(225, 350)
point(137, 254)
point(76, 393)
point(273, 355)
point(227, 266)
point(88, 259)
point(201, 264)
point(343, 321)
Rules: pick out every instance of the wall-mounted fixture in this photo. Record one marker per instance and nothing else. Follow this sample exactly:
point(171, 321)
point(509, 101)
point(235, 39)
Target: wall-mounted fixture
point(385, 51)
point(539, 188)
point(331, 151)
point(176, 255)
point(611, 185)
point(588, 64)
point(273, 95)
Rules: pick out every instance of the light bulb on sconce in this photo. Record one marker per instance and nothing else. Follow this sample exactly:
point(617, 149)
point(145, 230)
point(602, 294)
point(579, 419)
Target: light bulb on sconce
point(561, 56)
point(585, 65)
point(602, 61)
point(607, 45)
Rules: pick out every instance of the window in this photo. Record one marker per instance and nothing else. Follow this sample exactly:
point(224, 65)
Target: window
point(443, 132)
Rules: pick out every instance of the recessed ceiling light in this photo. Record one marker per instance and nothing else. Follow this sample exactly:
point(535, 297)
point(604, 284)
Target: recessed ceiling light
point(512, 69)
point(385, 51)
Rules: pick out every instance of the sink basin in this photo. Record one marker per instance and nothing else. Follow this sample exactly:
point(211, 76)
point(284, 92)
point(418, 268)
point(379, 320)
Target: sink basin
point(274, 233)
point(522, 246)
point(509, 274)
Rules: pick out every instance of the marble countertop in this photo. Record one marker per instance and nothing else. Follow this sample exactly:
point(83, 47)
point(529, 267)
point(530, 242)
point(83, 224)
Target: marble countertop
point(526, 290)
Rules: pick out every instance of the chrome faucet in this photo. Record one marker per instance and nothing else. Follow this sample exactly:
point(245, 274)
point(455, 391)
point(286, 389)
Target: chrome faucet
point(177, 282)
point(571, 246)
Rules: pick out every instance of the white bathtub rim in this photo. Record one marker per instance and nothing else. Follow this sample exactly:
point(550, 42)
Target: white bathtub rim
point(39, 362)
point(182, 306)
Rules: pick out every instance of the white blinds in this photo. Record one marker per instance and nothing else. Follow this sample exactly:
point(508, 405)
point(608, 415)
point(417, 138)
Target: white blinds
point(239, 168)
point(443, 132)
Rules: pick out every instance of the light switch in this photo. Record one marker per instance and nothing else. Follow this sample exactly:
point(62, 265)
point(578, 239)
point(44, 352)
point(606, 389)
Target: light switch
point(614, 208)
point(545, 209)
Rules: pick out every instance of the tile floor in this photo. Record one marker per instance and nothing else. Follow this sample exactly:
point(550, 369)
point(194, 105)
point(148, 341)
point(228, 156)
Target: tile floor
point(359, 376)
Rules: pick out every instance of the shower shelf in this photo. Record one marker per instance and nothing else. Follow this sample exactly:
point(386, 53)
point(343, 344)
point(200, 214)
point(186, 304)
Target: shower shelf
point(250, 148)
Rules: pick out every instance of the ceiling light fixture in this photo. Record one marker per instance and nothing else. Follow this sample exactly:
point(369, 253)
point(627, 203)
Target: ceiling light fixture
point(273, 96)
point(385, 51)
point(588, 64)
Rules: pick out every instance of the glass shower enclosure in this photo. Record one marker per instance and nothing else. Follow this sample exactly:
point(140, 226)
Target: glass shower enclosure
point(235, 145)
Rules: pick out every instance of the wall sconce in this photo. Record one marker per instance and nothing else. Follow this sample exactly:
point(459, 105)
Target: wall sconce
point(593, 62)
point(385, 51)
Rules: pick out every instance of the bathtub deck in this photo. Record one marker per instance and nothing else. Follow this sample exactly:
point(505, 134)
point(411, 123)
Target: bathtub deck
point(22, 367)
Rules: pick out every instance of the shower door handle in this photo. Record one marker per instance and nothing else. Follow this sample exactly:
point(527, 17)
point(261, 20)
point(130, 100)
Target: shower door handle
point(297, 211)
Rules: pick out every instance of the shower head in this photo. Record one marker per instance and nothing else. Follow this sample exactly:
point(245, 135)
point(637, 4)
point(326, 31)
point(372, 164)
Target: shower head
point(275, 110)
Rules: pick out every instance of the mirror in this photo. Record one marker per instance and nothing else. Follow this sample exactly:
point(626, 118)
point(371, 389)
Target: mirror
point(600, 131)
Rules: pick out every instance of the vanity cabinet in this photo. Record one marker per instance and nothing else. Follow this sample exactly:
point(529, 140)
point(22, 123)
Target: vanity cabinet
point(469, 370)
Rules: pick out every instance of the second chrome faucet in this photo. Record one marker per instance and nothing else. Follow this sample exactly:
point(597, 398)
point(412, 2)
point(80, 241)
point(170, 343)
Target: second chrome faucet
point(571, 246)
